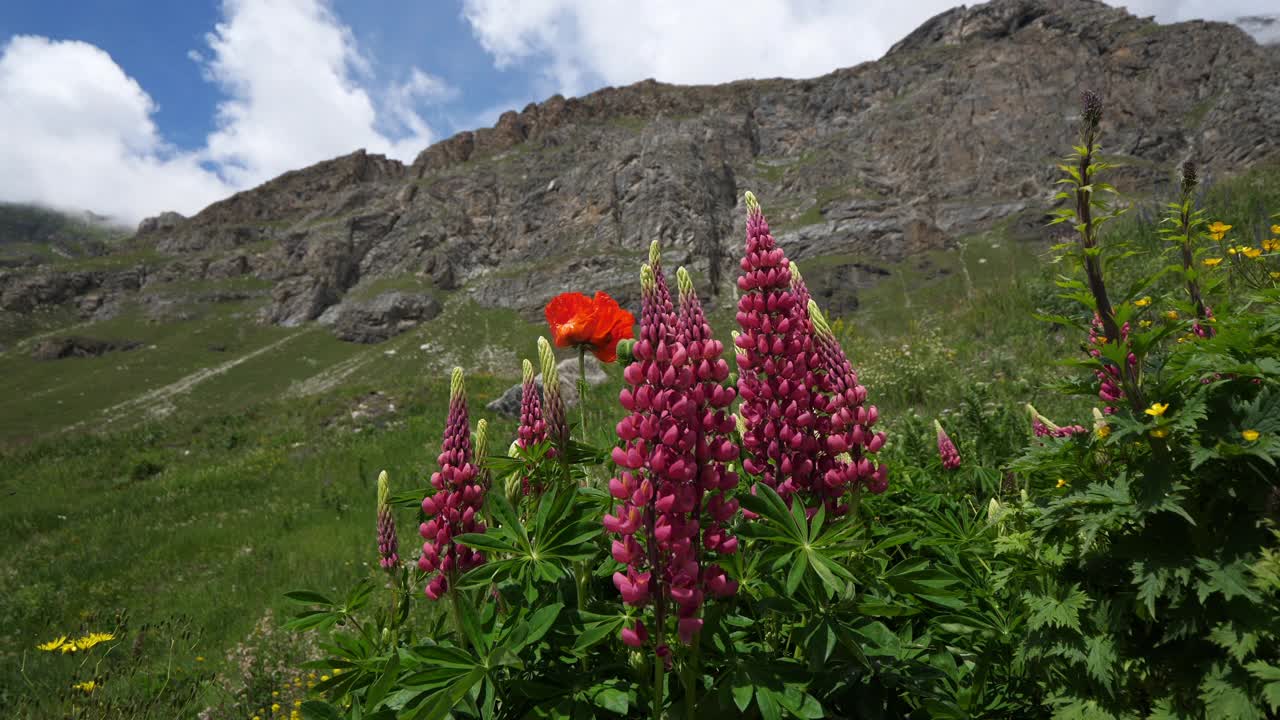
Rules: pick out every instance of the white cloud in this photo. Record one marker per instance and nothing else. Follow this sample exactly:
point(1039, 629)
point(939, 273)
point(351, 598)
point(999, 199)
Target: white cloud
point(76, 131)
point(579, 44)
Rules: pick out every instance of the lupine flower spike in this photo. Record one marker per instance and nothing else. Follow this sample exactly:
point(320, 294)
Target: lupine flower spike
point(454, 507)
point(850, 420)
point(388, 544)
point(553, 402)
point(946, 449)
point(481, 450)
point(533, 428)
point(1043, 426)
point(789, 396)
point(672, 457)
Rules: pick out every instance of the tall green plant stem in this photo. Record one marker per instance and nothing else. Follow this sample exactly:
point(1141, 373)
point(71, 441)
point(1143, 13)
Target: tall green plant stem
point(582, 390)
point(1193, 288)
point(455, 602)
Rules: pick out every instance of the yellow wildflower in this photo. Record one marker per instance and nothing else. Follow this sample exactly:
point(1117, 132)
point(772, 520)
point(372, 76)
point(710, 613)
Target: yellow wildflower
point(1275, 275)
point(87, 686)
point(275, 707)
point(69, 647)
point(1103, 431)
point(1250, 435)
point(257, 717)
point(1232, 250)
point(1172, 314)
point(311, 675)
point(297, 703)
point(1218, 228)
point(337, 671)
point(1061, 483)
point(1271, 245)
point(199, 658)
point(1156, 409)
point(1251, 253)
point(52, 644)
point(1143, 301)
point(1160, 433)
point(275, 693)
point(323, 678)
point(1275, 229)
point(92, 639)
point(1211, 262)
point(1145, 323)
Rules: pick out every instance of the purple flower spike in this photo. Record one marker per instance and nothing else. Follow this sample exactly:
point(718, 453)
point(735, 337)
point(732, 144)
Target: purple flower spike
point(454, 506)
point(946, 449)
point(800, 423)
point(388, 544)
point(673, 514)
point(533, 427)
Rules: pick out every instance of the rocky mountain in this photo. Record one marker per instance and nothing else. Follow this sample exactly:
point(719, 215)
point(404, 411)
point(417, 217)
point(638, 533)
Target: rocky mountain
point(952, 131)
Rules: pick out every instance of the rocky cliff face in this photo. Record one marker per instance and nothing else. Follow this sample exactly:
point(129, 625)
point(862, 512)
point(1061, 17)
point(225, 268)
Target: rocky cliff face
point(954, 129)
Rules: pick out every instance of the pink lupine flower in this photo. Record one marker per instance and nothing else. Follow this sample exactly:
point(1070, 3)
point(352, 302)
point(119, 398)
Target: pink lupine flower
point(1109, 379)
point(672, 517)
point(533, 427)
point(454, 506)
point(946, 449)
point(388, 544)
point(796, 433)
point(1042, 426)
point(1202, 330)
point(851, 425)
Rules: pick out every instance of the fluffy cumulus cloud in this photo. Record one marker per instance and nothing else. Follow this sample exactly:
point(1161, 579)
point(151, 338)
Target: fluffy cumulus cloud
point(579, 44)
point(76, 131)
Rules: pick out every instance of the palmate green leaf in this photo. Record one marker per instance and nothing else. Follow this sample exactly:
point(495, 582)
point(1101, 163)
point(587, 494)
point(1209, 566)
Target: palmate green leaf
point(309, 597)
point(440, 704)
point(1056, 612)
point(389, 674)
point(312, 619)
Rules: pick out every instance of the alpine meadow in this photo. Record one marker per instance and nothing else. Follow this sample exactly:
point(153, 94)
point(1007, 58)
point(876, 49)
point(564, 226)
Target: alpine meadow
point(946, 385)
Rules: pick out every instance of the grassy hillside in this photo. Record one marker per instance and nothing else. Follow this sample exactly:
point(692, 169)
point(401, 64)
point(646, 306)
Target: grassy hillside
point(197, 478)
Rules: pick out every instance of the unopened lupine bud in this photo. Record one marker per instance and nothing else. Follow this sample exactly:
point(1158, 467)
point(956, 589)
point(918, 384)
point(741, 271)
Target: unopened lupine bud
point(482, 450)
point(388, 543)
point(1090, 109)
point(946, 449)
point(553, 408)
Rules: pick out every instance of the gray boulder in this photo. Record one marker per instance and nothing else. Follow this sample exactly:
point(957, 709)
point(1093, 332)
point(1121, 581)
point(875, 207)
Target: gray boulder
point(383, 317)
point(508, 404)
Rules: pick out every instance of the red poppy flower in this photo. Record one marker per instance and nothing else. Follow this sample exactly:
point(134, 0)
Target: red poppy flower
point(598, 323)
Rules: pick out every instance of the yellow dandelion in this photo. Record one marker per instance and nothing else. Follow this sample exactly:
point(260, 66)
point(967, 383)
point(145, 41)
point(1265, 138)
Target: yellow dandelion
point(1251, 435)
point(1171, 314)
point(1061, 483)
point(275, 707)
point(1251, 253)
point(52, 644)
point(87, 686)
point(1143, 301)
point(1156, 409)
point(1212, 262)
point(1160, 433)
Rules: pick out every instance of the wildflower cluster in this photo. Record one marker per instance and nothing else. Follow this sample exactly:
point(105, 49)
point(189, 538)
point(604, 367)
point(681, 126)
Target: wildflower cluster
point(388, 544)
point(533, 427)
point(66, 645)
point(946, 449)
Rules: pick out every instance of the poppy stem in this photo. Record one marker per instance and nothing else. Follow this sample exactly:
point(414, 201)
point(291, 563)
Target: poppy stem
point(582, 389)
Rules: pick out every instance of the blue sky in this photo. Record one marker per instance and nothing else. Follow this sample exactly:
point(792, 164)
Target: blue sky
point(129, 108)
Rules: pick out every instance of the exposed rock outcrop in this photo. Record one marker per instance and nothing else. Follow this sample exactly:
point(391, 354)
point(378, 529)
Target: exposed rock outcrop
point(951, 131)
